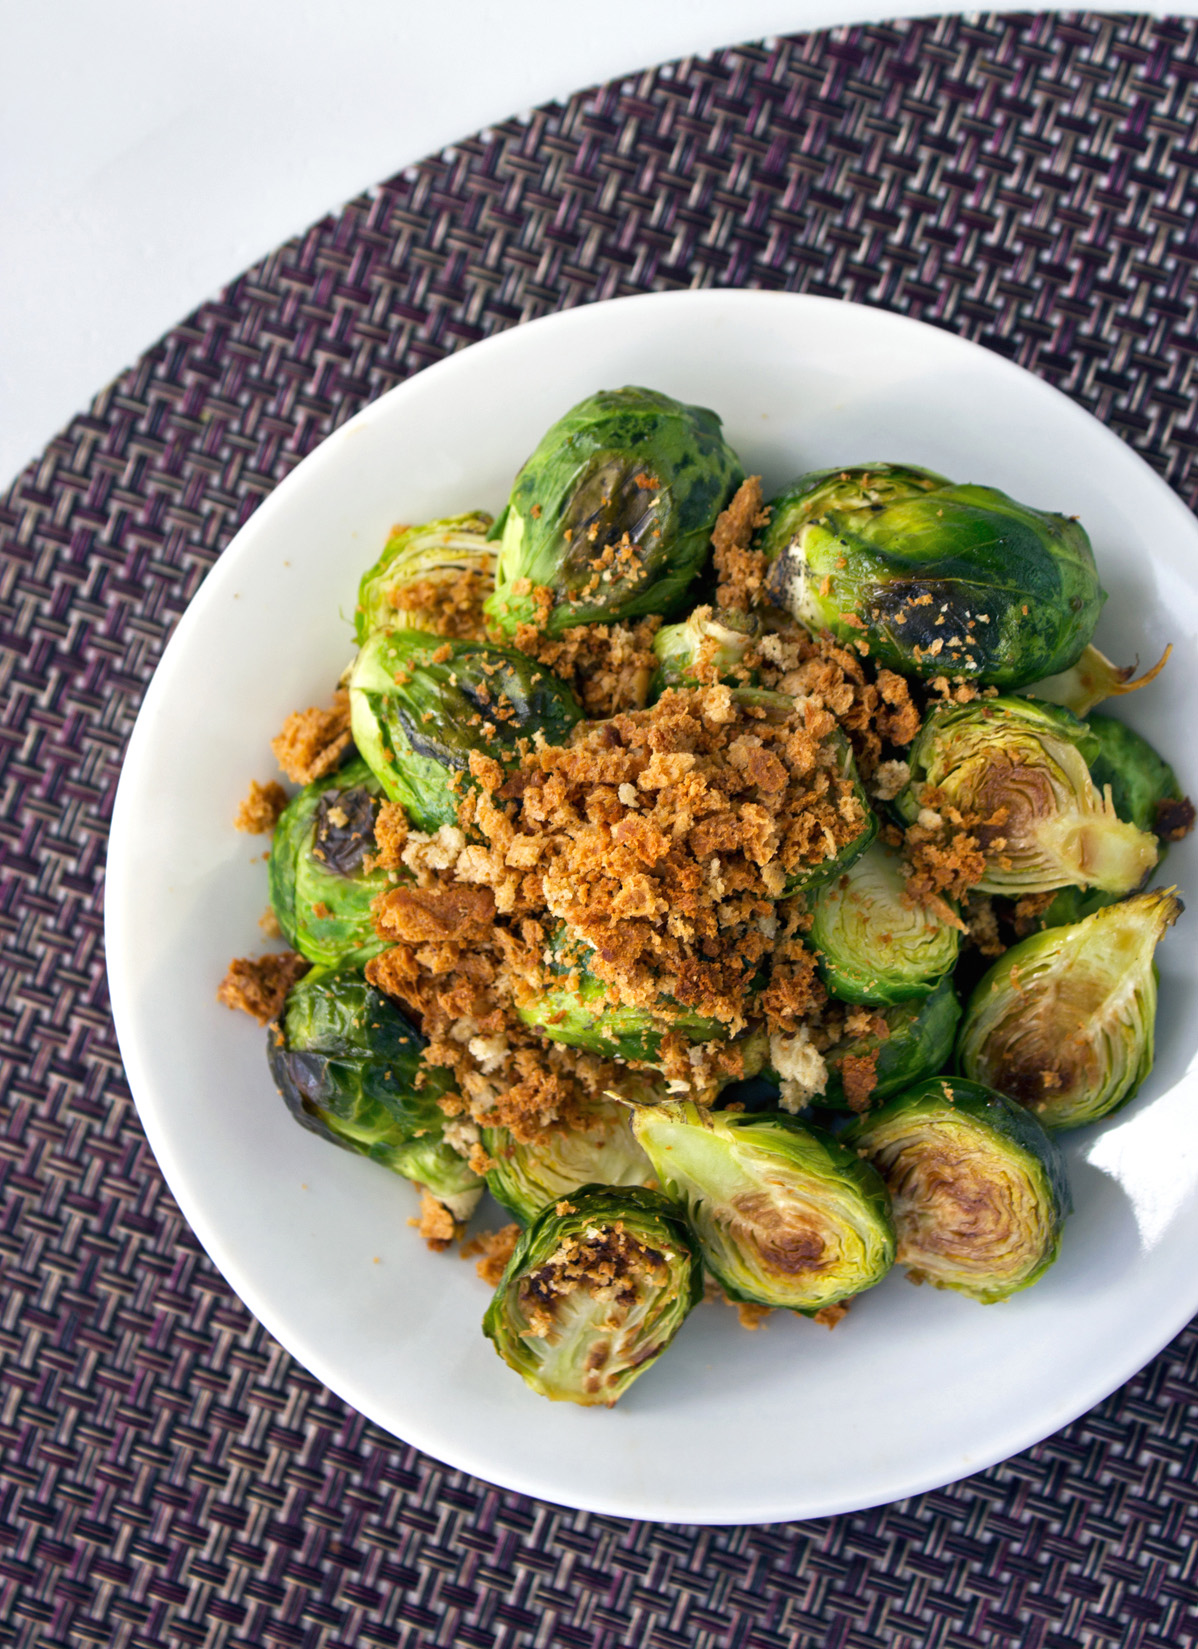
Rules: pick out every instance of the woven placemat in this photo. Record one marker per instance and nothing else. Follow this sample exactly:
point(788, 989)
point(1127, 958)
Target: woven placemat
point(170, 1476)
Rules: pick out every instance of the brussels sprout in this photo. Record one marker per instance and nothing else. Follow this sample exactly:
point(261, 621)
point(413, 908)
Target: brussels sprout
point(1063, 1022)
point(1026, 763)
point(873, 942)
point(785, 1216)
point(415, 560)
point(613, 513)
point(597, 1288)
point(1092, 679)
point(421, 705)
point(578, 1013)
point(1144, 787)
point(978, 1188)
point(320, 890)
point(350, 1068)
point(599, 1149)
point(916, 1041)
point(707, 646)
point(938, 579)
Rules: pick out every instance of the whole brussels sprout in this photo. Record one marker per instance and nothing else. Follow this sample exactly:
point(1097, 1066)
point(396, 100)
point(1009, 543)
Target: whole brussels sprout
point(421, 705)
point(396, 592)
point(979, 1190)
point(613, 513)
point(916, 1041)
point(1063, 1022)
point(706, 646)
point(350, 1068)
point(599, 1149)
point(937, 578)
point(785, 1216)
point(320, 889)
point(595, 1291)
point(873, 942)
point(1026, 763)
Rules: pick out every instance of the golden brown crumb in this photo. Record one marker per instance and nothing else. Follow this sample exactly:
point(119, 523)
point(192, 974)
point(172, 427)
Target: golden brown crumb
point(859, 1073)
point(259, 985)
point(831, 1314)
point(436, 1224)
point(739, 568)
point(390, 837)
point(259, 812)
point(981, 921)
point(1174, 818)
point(269, 923)
point(609, 666)
point(751, 1316)
point(451, 607)
point(496, 1248)
point(313, 741)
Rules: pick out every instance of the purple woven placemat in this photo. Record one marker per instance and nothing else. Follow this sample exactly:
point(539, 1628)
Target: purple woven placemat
point(170, 1476)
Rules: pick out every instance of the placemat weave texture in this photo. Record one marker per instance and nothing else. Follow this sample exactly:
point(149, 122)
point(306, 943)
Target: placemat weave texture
point(170, 1476)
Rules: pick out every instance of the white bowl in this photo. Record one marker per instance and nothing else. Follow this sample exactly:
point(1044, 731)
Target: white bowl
point(915, 1388)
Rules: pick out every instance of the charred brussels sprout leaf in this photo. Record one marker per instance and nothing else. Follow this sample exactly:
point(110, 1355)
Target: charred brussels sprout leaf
point(594, 1294)
point(873, 942)
point(351, 1069)
point(905, 1041)
point(978, 1188)
point(320, 887)
point(1024, 766)
point(939, 579)
point(1063, 1022)
point(785, 1216)
point(396, 593)
point(613, 513)
point(706, 647)
point(598, 1149)
point(421, 706)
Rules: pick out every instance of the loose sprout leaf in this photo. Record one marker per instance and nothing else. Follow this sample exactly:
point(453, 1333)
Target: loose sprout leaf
point(707, 646)
point(1092, 680)
point(598, 1149)
point(979, 1190)
point(595, 1291)
point(397, 590)
point(936, 578)
point(785, 1216)
point(1064, 1021)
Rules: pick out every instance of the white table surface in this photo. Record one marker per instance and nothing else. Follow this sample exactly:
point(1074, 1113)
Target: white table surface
point(150, 150)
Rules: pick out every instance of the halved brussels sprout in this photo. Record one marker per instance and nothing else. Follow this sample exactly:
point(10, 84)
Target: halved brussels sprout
point(1144, 787)
point(1092, 679)
point(873, 942)
point(320, 890)
point(613, 513)
point(784, 1214)
point(708, 646)
point(421, 705)
point(937, 578)
point(351, 1069)
point(403, 583)
point(917, 1041)
point(598, 1150)
point(595, 1291)
point(979, 1190)
point(1064, 1021)
point(1026, 763)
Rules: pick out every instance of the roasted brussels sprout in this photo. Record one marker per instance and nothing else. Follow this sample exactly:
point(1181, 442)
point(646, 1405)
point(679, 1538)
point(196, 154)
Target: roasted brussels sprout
point(595, 1291)
point(874, 943)
point(708, 646)
point(1092, 679)
point(350, 1068)
point(978, 1188)
point(904, 1042)
point(612, 515)
point(937, 578)
point(320, 888)
point(599, 1149)
point(785, 1216)
point(1144, 787)
point(416, 563)
point(1063, 1022)
point(1023, 765)
point(421, 705)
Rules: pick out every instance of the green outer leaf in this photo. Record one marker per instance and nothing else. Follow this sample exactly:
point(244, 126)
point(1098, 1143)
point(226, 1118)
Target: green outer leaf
point(1077, 1001)
point(556, 1369)
point(922, 1031)
point(437, 550)
point(946, 1111)
point(418, 733)
point(760, 1185)
point(350, 1068)
point(528, 1177)
point(1014, 593)
point(299, 882)
point(872, 944)
point(1139, 778)
point(583, 476)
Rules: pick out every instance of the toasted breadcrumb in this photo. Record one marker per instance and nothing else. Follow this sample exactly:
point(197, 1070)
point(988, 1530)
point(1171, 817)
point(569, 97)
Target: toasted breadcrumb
point(751, 1316)
point(739, 568)
point(259, 985)
point(258, 814)
point(313, 741)
point(1174, 818)
point(269, 923)
point(831, 1314)
point(609, 666)
point(390, 838)
point(981, 921)
point(496, 1249)
point(451, 607)
point(859, 1073)
point(436, 1224)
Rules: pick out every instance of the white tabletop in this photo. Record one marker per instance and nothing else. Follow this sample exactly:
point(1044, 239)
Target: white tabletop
point(151, 150)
